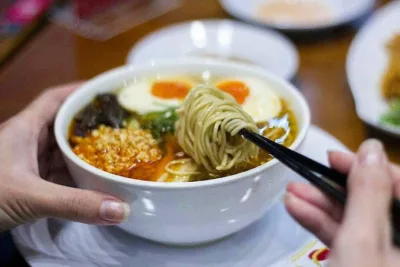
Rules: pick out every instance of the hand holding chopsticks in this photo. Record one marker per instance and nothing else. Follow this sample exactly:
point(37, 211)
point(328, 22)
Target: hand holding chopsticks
point(369, 170)
point(360, 235)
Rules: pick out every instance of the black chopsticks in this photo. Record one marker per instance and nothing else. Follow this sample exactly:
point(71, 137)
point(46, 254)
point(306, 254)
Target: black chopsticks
point(329, 181)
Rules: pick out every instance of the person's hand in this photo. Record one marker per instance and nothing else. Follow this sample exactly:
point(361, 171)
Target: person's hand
point(359, 235)
point(31, 165)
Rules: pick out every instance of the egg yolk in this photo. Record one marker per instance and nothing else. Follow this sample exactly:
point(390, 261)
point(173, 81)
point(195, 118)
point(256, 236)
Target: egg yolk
point(237, 89)
point(170, 89)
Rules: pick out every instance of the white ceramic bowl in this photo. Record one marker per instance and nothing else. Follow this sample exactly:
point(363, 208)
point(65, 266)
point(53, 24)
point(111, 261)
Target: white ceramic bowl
point(183, 213)
point(224, 39)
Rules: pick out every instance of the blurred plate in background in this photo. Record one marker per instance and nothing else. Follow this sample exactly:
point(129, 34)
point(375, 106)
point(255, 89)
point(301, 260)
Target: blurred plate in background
point(367, 61)
point(298, 15)
point(220, 39)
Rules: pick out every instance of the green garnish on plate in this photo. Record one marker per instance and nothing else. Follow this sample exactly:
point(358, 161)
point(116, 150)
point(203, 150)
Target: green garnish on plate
point(392, 117)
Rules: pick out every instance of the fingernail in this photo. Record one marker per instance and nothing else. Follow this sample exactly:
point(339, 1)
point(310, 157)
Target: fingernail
point(114, 211)
point(371, 153)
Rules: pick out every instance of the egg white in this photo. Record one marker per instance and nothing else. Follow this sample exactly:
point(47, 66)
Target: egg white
point(262, 103)
point(137, 97)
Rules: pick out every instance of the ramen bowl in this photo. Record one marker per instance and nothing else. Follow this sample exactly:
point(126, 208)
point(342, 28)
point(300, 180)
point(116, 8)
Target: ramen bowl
point(184, 213)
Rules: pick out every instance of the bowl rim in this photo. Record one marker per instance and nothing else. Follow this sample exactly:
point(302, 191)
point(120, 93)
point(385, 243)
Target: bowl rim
point(88, 86)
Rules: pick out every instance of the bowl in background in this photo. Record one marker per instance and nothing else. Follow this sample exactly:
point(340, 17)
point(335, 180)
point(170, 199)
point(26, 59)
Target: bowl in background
point(184, 213)
point(221, 39)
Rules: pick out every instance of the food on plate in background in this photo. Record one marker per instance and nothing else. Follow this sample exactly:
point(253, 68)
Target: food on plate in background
point(391, 82)
point(136, 131)
point(393, 115)
point(295, 12)
point(391, 79)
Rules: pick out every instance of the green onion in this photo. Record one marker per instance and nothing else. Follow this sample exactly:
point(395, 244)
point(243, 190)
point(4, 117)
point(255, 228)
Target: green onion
point(159, 123)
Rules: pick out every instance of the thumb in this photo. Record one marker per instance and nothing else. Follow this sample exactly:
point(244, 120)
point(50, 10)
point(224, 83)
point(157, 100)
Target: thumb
point(370, 194)
point(80, 205)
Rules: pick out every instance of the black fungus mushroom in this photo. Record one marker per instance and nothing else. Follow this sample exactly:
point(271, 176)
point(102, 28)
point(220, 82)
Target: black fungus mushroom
point(104, 109)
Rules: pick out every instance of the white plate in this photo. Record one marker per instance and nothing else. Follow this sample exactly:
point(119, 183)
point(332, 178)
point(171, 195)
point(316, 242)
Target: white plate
point(223, 38)
point(344, 11)
point(276, 240)
point(366, 64)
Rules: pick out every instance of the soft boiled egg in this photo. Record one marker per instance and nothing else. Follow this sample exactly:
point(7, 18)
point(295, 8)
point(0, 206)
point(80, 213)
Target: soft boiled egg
point(146, 95)
point(254, 95)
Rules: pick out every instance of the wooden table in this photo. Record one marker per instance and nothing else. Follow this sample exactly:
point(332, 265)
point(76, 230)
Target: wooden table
point(57, 56)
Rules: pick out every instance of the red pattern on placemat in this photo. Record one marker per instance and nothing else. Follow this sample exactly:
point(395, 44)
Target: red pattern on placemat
point(322, 255)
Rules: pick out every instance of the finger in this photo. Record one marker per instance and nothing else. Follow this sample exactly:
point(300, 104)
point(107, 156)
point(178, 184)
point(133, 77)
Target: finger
point(315, 197)
point(80, 205)
point(43, 109)
point(369, 197)
point(342, 162)
point(312, 218)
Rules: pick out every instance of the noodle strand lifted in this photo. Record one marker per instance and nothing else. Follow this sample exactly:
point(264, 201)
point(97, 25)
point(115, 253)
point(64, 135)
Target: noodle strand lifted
point(208, 127)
